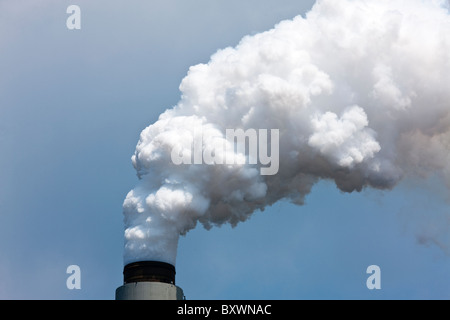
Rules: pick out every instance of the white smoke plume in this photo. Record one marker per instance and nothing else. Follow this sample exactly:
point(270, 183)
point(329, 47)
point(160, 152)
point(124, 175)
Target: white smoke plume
point(359, 91)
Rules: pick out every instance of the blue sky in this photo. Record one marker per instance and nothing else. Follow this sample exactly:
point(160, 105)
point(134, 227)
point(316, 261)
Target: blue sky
point(72, 106)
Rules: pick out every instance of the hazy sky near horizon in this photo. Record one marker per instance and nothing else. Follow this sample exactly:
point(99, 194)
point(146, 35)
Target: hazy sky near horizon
point(72, 106)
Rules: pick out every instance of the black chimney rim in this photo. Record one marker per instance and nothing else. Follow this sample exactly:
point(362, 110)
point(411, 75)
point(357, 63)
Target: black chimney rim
point(149, 271)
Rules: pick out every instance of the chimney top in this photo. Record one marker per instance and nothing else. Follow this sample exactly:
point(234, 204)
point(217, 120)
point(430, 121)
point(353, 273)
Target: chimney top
point(149, 271)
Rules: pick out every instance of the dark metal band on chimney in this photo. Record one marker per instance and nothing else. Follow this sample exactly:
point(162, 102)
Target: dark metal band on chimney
point(149, 271)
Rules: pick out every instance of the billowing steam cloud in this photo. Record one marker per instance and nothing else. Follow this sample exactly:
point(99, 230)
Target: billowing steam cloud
point(359, 91)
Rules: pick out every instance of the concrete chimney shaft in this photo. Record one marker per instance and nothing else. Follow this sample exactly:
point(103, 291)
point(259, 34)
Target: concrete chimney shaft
point(149, 280)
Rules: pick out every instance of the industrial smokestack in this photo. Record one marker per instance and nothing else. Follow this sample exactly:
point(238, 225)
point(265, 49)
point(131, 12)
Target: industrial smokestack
point(149, 280)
